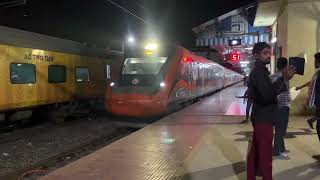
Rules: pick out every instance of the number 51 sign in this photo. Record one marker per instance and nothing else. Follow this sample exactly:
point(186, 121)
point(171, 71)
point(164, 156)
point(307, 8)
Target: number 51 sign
point(235, 57)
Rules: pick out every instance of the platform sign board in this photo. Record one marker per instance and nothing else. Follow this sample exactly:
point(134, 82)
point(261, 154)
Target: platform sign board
point(235, 57)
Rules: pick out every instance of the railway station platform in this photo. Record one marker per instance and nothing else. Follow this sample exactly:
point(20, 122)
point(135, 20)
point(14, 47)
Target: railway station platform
point(203, 141)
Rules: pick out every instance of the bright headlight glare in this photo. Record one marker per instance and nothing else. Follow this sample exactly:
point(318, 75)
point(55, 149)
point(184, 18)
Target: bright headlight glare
point(151, 47)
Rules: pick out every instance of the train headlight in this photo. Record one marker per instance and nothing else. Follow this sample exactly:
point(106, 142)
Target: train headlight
point(162, 84)
point(150, 49)
point(112, 84)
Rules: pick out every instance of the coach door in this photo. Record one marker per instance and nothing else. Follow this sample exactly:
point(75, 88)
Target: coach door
point(190, 79)
point(199, 80)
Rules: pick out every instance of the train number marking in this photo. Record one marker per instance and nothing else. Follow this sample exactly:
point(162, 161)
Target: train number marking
point(38, 57)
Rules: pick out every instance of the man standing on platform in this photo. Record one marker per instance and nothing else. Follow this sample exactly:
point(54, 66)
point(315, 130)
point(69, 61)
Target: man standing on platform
point(281, 125)
point(313, 94)
point(264, 111)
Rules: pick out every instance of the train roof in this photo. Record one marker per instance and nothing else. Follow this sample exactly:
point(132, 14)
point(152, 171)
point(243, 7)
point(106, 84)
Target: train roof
point(25, 39)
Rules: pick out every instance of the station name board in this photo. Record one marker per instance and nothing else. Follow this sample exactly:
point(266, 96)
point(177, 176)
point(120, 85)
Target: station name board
point(38, 57)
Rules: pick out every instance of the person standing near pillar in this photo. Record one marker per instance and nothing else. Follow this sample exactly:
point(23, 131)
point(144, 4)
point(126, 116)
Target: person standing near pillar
point(314, 93)
point(284, 102)
point(264, 111)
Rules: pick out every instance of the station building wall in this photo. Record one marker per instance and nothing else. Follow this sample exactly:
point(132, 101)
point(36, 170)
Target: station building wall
point(298, 34)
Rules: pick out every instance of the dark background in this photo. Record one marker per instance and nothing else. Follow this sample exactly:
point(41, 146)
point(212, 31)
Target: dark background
point(101, 23)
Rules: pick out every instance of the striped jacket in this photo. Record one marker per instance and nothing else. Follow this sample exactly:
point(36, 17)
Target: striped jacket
point(311, 92)
point(284, 98)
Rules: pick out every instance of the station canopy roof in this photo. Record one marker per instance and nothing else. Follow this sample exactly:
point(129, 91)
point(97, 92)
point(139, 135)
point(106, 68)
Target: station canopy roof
point(267, 12)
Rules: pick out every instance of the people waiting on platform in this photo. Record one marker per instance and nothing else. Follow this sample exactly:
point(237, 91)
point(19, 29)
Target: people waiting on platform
point(245, 80)
point(264, 111)
point(248, 101)
point(313, 100)
point(281, 123)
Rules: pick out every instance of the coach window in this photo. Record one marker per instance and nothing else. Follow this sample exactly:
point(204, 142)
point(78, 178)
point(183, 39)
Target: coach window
point(82, 74)
point(57, 74)
point(22, 73)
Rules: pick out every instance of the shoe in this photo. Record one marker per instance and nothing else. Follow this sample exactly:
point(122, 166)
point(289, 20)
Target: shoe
point(282, 156)
point(244, 122)
point(317, 157)
point(310, 122)
point(286, 151)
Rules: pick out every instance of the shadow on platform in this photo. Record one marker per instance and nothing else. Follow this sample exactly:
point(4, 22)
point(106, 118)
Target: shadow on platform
point(247, 135)
point(216, 173)
point(303, 172)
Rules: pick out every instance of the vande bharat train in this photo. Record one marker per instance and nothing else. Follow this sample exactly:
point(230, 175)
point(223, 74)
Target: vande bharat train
point(154, 80)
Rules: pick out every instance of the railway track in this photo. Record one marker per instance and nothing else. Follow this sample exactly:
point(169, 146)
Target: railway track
point(28, 153)
point(21, 133)
point(19, 137)
point(60, 159)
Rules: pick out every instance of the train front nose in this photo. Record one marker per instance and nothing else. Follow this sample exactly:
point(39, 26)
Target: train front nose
point(137, 106)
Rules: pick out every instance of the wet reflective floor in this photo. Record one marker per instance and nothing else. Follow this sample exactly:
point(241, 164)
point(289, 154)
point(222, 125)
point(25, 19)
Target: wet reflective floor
point(203, 141)
point(221, 103)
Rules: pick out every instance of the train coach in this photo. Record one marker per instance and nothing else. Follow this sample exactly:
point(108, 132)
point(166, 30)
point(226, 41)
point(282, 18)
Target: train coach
point(42, 73)
point(163, 77)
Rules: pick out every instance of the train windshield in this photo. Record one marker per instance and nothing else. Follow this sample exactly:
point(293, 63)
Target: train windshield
point(143, 66)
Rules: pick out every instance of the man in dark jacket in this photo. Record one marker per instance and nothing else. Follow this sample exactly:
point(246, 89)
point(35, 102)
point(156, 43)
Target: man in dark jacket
point(264, 111)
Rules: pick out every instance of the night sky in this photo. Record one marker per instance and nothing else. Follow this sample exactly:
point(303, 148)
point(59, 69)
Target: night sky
point(102, 23)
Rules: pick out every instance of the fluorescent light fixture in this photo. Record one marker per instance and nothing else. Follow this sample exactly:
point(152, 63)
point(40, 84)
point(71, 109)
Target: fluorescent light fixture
point(244, 62)
point(133, 62)
point(234, 42)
